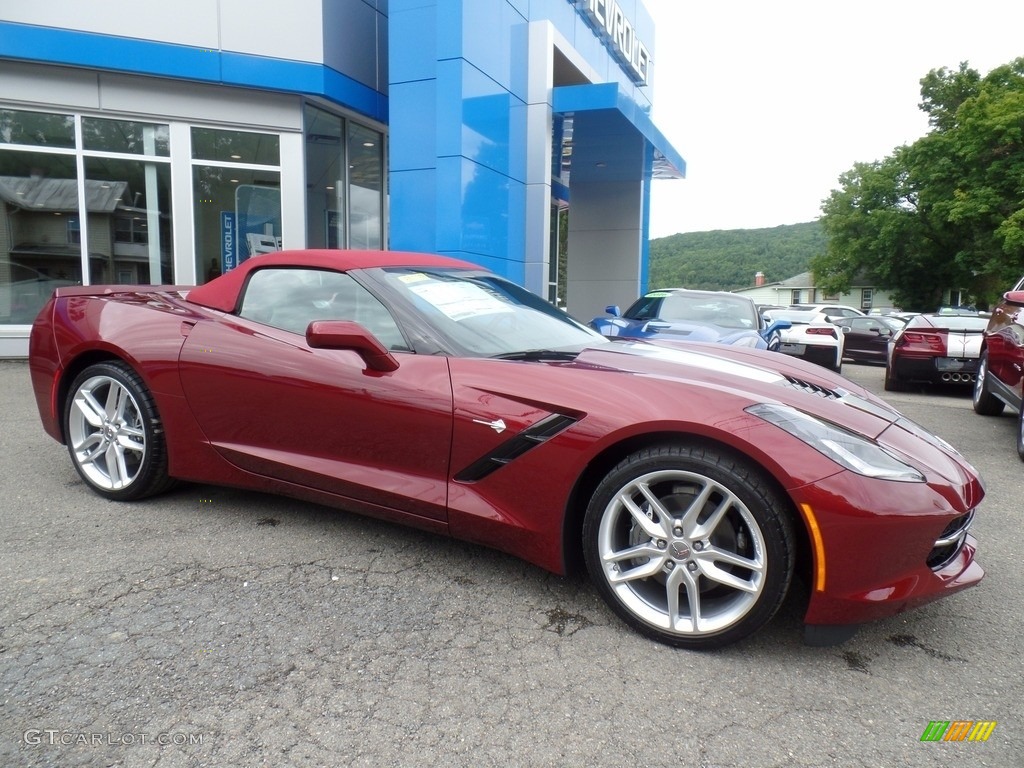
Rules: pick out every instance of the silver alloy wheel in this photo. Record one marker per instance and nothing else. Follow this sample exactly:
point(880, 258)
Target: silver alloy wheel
point(682, 552)
point(106, 433)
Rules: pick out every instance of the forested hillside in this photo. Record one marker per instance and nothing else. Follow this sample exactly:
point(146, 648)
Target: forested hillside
point(729, 259)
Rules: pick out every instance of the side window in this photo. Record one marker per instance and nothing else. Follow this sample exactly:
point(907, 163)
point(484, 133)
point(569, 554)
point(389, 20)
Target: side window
point(291, 299)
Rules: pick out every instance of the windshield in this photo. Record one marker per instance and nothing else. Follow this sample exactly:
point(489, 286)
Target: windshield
point(716, 309)
point(487, 316)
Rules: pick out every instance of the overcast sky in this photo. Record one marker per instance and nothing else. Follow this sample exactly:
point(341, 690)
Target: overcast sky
point(769, 102)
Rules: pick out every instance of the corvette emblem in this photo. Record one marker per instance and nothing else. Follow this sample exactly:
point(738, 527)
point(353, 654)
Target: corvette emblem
point(498, 425)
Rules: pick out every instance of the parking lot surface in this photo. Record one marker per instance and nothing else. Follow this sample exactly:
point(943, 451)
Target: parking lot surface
point(215, 627)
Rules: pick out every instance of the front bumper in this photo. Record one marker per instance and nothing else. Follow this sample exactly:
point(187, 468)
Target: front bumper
point(889, 547)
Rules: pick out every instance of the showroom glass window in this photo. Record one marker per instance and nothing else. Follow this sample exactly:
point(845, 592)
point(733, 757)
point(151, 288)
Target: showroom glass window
point(126, 185)
point(236, 189)
point(344, 182)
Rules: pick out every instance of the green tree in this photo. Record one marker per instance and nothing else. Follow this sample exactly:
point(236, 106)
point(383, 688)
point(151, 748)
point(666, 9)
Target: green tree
point(724, 260)
point(944, 212)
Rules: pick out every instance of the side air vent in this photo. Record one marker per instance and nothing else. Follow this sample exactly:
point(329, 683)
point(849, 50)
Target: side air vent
point(950, 541)
point(813, 389)
point(512, 449)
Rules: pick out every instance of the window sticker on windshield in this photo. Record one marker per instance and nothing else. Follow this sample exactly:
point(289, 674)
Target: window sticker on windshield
point(413, 277)
point(657, 295)
point(459, 300)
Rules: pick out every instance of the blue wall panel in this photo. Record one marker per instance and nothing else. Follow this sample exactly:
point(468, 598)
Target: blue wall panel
point(413, 35)
point(413, 117)
point(480, 215)
point(413, 203)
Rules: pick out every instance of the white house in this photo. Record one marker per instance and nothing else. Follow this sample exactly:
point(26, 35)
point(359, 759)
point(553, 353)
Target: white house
point(800, 289)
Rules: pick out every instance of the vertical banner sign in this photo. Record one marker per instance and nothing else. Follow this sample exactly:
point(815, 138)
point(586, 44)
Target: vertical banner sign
point(228, 242)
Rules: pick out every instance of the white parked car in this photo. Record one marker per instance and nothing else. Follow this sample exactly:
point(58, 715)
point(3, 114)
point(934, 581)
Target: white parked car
point(830, 311)
point(810, 337)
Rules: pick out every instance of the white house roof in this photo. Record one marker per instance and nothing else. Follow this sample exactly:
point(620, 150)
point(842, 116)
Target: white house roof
point(39, 194)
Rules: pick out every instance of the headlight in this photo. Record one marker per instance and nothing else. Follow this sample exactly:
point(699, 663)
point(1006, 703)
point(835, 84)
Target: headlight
point(753, 340)
point(849, 450)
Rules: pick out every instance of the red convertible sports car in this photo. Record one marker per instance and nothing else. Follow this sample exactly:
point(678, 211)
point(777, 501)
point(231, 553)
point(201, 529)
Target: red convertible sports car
point(694, 481)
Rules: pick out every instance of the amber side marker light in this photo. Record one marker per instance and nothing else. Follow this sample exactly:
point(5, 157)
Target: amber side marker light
point(819, 547)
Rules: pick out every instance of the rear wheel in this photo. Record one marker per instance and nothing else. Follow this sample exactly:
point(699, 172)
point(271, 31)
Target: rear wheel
point(984, 401)
point(114, 434)
point(1020, 432)
point(893, 383)
point(689, 546)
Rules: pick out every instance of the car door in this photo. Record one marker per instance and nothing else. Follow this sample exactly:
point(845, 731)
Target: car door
point(320, 418)
point(867, 338)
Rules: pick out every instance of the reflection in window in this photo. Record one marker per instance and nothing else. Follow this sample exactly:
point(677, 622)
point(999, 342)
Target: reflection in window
point(235, 146)
point(39, 129)
point(365, 161)
point(126, 137)
point(129, 221)
point(39, 195)
point(237, 215)
point(344, 182)
point(325, 179)
point(291, 299)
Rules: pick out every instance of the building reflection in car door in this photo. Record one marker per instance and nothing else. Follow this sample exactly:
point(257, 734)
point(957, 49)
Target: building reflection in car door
point(320, 418)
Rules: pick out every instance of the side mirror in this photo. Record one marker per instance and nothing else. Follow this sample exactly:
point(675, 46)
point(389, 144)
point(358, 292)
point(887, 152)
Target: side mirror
point(344, 334)
point(777, 325)
point(613, 310)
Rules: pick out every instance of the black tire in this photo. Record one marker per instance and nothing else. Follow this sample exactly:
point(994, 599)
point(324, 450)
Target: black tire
point(1020, 432)
point(892, 382)
point(114, 434)
point(673, 554)
point(985, 403)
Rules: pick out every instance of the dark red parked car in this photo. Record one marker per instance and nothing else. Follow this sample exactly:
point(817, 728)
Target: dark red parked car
point(1001, 369)
point(695, 481)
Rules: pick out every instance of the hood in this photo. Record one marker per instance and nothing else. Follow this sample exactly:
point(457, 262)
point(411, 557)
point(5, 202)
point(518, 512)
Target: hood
point(757, 375)
point(769, 377)
point(676, 330)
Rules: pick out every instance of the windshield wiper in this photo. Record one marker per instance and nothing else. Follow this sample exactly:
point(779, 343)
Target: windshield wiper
point(535, 355)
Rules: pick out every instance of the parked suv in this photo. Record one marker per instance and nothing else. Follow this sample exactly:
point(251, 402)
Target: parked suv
point(1001, 366)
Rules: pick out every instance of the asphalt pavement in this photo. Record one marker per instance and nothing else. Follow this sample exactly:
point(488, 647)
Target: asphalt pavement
point(216, 627)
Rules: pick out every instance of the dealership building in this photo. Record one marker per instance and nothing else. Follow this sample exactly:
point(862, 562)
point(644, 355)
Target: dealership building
point(167, 142)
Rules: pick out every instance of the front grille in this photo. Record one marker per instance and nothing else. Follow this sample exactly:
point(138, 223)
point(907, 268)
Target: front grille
point(950, 541)
point(814, 389)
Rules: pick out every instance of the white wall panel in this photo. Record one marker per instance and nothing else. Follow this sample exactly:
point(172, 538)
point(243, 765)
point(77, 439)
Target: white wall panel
point(45, 86)
point(191, 101)
point(286, 30)
point(186, 22)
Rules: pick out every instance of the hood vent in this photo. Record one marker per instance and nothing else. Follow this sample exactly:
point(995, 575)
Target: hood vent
point(813, 389)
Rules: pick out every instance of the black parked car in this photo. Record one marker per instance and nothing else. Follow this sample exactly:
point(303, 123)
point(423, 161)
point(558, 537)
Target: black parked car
point(866, 339)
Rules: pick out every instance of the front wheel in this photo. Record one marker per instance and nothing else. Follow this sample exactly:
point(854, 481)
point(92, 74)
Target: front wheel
point(114, 434)
point(689, 546)
point(983, 400)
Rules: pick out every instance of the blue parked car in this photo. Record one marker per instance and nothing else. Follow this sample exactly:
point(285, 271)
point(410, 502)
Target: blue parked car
point(680, 314)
